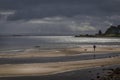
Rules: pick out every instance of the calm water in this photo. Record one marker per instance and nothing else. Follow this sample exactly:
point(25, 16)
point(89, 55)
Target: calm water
point(52, 42)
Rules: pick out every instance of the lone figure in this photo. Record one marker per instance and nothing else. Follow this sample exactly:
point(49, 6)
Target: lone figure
point(94, 46)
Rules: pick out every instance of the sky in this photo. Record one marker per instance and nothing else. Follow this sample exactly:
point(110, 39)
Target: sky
point(63, 17)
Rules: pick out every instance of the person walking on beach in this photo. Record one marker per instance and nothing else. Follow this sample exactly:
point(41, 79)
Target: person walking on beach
point(94, 46)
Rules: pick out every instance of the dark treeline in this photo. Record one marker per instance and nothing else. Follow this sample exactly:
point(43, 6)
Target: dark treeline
point(112, 31)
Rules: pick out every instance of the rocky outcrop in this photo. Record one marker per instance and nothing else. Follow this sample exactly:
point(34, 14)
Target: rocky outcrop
point(113, 31)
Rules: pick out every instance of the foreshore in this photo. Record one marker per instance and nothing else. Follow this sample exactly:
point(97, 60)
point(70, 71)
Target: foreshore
point(10, 70)
point(29, 53)
point(81, 74)
point(50, 68)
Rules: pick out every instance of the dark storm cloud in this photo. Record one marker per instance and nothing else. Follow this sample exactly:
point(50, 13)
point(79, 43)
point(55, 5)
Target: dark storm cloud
point(58, 16)
point(28, 9)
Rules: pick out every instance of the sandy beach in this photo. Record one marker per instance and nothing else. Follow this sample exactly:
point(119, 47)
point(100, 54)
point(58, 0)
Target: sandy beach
point(40, 69)
point(29, 53)
point(10, 70)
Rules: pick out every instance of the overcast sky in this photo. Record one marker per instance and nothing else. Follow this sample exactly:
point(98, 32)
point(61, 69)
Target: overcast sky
point(58, 16)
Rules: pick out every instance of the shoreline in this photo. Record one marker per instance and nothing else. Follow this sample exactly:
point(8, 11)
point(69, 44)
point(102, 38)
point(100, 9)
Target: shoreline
point(35, 52)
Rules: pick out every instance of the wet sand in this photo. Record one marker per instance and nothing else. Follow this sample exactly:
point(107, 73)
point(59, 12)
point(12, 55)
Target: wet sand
point(82, 56)
point(39, 69)
point(83, 74)
point(29, 53)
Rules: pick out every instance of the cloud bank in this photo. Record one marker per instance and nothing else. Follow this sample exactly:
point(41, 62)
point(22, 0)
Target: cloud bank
point(57, 16)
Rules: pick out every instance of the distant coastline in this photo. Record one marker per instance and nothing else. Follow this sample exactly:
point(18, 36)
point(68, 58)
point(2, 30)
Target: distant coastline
point(112, 31)
point(104, 36)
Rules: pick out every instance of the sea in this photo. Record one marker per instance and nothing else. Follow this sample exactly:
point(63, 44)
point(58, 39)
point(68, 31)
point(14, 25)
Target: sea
point(17, 43)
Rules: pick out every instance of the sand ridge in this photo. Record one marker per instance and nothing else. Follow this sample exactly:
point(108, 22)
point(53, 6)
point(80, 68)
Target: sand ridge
point(10, 70)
